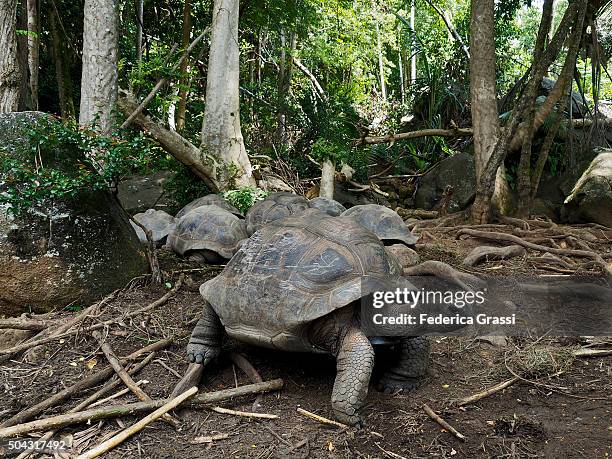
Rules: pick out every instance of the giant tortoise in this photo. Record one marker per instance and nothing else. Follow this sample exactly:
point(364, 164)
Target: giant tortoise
point(297, 285)
point(208, 234)
point(209, 200)
point(384, 222)
point(327, 205)
point(158, 222)
point(275, 206)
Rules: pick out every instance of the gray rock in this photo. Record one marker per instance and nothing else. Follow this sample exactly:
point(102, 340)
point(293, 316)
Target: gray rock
point(141, 192)
point(458, 171)
point(61, 251)
point(591, 198)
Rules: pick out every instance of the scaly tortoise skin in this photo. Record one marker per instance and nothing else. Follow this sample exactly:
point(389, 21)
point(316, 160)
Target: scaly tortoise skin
point(276, 206)
point(329, 206)
point(160, 223)
point(295, 285)
point(209, 200)
point(384, 222)
point(208, 230)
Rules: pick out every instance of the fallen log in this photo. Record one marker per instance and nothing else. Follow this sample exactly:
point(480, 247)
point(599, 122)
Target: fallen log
point(457, 132)
point(63, 420)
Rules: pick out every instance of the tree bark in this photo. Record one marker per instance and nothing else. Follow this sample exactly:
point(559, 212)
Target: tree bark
point(221, 134)
point(139, 28)
point(100, 59)
point(10, 77)
point(33, 53)
point(328, 174)
point(381, 63)
point(485, 119)
point(63, 87)
point(184, 81)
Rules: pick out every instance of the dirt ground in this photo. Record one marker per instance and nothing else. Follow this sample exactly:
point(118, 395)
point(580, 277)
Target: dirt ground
point(566, 416)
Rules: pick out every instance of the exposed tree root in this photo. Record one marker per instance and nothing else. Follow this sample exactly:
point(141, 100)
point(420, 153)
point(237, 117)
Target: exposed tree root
point(248, 369)
point(192, 378)
point(444, 271)
point(485, 253)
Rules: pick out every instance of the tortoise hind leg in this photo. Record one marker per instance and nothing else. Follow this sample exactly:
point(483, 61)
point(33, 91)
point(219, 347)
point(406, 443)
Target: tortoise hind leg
point(354, 364)
point(205, 342)
point(410, 368)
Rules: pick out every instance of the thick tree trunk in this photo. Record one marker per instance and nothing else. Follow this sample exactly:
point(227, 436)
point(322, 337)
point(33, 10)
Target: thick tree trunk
point(33, 54)
point(99, 76)
point(485, 120)
point(221, 133)
point(139, 29)
point(184, 81)
point(381, 63)
point(63, 86)
point(10, 78)
point(328, 175)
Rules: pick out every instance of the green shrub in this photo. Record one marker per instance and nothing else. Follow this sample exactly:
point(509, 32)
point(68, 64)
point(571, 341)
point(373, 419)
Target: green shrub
point(244, 198)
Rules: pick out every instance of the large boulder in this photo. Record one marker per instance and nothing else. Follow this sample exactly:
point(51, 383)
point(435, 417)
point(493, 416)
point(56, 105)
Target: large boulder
point(458, 171)
point(591, 198)
point(61, 251)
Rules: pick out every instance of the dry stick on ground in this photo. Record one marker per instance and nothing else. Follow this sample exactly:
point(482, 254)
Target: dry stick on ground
point(156, 274)
point(134, 429)
point(246, 366)
point(26, 324)
point(502, 385)
point(192, 378)
point(125, 377)
point(444, 271)
point(245, 414)
point(24, 346)
point(485, 253)
point(431, 413)
point(63, 420)
point(86, 383)
point(321, 419)
point(92, 398)
point(503, 237)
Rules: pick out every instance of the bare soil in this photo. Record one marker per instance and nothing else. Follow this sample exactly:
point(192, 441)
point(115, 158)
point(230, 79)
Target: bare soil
point(566, 416)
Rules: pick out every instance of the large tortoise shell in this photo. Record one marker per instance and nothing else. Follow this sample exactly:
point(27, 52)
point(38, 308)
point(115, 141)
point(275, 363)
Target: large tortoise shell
point(327, 205)
point(209, 200)
point(208, 228)
point(275, 206)
point(294, 271)
point(383, 222)
point(160, 223)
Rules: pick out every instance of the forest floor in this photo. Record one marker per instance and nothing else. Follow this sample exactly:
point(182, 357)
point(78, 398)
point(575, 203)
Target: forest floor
point(567, 414)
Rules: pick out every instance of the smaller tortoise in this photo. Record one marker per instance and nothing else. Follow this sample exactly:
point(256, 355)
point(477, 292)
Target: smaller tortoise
point(209, 200)
point(275, 206)
point(208, 234)
point(384, 222)
point(329, 206)
point(160, 223)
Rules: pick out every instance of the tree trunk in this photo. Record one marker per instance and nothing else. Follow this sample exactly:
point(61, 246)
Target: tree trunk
point(9, 69)
point(221, 133)
point(139, 29)
point(413, 48)
point(328, 174)
point(184, 81)
point(381, 63)
point(99, 76)
point(485, 119)
point(63, 87)
point(33, 54)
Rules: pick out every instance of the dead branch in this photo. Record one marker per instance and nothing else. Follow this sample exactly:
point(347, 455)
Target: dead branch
point(456, 132)
point(24, 346)
point(485, 253)
point(492, 390)
point(132, 430)
point(192, 378)
point(86, 383)
point(248, 369)
point(431, 413)
point(63, 420)
point(321, 419)
point(443, 271)
point(26, 324)
point(503, 237)
point(125, 377)
point(244, 414)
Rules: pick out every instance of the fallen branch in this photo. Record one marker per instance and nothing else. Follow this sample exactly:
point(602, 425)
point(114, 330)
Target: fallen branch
point(443, 271)
point(192, 378)
point(26, 324)
point(127, 433)
point(321, 419)
point(24, 346)
point(63, 420)
point(457, 132)
point(245, 414)
point(248, 369)
point(442, 422)
point(121, 393)
point(503, 237)
point(86, 383)
point(125, 377)
point(485, 253)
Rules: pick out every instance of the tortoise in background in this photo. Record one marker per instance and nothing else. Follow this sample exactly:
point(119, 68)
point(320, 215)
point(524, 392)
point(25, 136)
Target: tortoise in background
point(384, 222)
point(208, 234)
point(329, 206)
point(275, 206)
point(160, 223)
point(296, 285)
point(209, 200)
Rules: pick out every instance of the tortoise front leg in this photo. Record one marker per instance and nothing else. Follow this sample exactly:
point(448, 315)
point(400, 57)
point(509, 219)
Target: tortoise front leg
point(354, 364)
point(205, 342)
point(408, 371)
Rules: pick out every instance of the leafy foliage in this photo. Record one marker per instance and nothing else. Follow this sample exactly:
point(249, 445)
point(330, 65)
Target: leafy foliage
point(244, 198)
